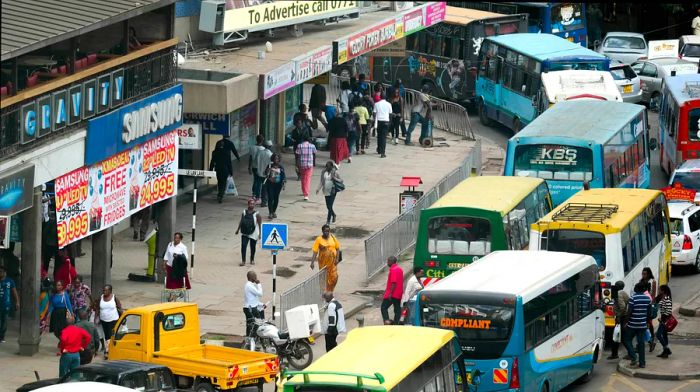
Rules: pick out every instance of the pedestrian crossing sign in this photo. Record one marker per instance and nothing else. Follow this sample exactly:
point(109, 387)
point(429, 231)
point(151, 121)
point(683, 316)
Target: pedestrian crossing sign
point(274, 236)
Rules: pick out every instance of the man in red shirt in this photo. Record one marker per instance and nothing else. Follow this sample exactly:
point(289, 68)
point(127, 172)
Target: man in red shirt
point(393, 292)
point(73, 341)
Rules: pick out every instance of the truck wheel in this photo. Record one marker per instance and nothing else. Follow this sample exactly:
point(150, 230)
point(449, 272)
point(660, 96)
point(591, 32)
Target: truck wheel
point(204, 387)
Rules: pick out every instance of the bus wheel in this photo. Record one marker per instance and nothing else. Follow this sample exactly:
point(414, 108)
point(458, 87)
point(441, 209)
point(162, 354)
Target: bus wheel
point(517, 125)
point(589, 374)
point(483, 117)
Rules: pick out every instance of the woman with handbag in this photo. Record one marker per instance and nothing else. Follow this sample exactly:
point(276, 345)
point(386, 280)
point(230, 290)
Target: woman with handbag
point(331, 184)
point(326, 249)
point(108, 310)
point(665, 302)
point(59, 307)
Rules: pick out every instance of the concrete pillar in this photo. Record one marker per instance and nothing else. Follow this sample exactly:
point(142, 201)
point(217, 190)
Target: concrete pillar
point(165, 219)
point(31, 278)
point(101, 260)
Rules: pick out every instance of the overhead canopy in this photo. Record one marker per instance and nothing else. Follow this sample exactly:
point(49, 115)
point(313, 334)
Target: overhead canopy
point(28, 25)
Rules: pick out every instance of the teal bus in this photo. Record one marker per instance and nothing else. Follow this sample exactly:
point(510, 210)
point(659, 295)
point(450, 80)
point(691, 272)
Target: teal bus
point(525, 320)
point(510, 67)
point(604, 143)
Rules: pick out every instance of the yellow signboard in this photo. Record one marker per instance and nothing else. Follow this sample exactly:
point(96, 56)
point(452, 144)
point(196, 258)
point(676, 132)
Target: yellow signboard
point(284, 13)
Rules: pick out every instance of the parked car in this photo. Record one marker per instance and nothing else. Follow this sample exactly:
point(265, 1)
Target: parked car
point(688, 176)
point(690, 48)
point(652, 72)
point(87, 386)
point(130, 374)
point(623, 46)
point(627, 81)
point(685, 234)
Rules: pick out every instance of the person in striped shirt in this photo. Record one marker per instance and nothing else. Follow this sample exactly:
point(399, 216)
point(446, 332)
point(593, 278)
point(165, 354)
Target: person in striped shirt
point(638, 311)
point(665, 302)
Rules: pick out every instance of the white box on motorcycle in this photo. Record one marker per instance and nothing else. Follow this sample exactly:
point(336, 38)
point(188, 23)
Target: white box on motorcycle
point(303, 321)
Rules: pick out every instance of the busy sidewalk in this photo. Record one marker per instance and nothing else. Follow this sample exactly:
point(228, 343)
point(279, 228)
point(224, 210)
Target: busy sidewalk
point(369, 201)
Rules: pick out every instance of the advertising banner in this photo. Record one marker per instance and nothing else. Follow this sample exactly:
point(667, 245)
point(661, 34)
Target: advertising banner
point(190, 136)
point(16, 190)
point(283, 13)
point(314, 63)
point(99, 196)
point(278, 80)
point(434, 13)
point(211, 124)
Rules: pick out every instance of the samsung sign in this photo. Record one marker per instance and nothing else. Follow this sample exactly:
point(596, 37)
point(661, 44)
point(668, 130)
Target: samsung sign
point(133, 124)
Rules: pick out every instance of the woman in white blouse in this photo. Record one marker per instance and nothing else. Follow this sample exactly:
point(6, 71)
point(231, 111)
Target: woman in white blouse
point(174, 248)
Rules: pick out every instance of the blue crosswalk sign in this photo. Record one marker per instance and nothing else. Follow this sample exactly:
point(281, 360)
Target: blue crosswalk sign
point(274, 236)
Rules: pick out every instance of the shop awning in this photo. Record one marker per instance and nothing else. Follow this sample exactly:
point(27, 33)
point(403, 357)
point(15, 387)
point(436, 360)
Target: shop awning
point(28, 25)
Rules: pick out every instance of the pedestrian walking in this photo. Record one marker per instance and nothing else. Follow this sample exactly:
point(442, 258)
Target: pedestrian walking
point(329, 178)
point(637, 313)
point(378, 92)
point(80, 295)
point(253, 307)
point(650, 284)
point(382, 111)
point(317, 105)
point(264, 158)
point(326, 249)
point(253, 168)
point(139, 223)
point(413, 286)
point(363, 120)
point(9, 299)
point(59, 307)
point(338, 139)
point(175, 276)
point(301, 130)
point(276, 179)
point(83, 321)
point(64, 270)
point(109, 309)
point(344, 97)
point(396, 115)
point(695, 24)
point(421, 112)
point(221, 163)
point(620, 308)
point(362, 85)
point(72, 342)
point(249, 227)
point(352, 120)
point(393, 292)
point(333, 321)
point(305, 155)
point(665, 302)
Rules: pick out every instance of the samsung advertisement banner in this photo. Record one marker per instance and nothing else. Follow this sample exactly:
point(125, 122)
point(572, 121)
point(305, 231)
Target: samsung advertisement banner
point(133, 124)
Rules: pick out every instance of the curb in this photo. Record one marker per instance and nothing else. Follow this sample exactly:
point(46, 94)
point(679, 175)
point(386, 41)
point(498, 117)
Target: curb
point(686, 309)
point(643, 373)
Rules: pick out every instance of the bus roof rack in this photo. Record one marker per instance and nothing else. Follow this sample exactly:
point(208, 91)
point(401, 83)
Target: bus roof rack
point(693, 89)
point(585, 212)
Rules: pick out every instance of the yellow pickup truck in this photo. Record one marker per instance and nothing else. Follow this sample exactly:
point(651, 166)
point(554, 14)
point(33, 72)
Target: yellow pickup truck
point(168, 334)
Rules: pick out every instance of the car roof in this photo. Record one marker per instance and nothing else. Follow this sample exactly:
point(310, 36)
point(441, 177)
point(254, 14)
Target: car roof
point(624, 34)
point(676, 208)
point(114, 368)
point(668, 61)
point(691, 39)
point(689, 165)
point(86, 386)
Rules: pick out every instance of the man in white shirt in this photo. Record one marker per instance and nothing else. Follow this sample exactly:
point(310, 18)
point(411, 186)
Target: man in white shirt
point(253, 307)
point(413, 286)
point(696, 24)
point(382, 110)
point(333, 321)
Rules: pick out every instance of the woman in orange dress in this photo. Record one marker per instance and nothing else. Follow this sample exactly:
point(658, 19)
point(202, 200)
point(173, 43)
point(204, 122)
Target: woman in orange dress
point(326, 249)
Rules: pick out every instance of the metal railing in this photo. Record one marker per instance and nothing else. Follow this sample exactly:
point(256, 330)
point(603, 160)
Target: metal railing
point(447, 116)
point(305, 293)
point(400, 234)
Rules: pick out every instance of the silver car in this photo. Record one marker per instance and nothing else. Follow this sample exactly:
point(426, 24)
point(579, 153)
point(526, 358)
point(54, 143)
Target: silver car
point(652, 72)
point(623, 46)
point(627, 82)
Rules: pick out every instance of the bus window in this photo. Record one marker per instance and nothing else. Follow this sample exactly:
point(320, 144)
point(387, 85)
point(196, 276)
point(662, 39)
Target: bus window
point(554, 162)
point(459, 235)
point(576, 241)
point(694, 125)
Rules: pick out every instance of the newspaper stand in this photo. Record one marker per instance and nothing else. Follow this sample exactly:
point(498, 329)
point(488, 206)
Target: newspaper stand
point(409, 198)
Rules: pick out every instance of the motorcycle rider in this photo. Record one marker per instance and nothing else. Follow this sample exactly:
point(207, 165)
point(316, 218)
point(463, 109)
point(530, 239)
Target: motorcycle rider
point(333, 321)
point(253, 307)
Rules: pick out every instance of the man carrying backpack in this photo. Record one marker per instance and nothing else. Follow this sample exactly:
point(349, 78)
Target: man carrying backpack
point(249, 227)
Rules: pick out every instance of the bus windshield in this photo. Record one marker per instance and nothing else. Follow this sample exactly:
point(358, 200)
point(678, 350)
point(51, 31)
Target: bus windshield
point(554, 162)
point(694, 126)
point(689, 180)
point(459, 235)
point(576, 241)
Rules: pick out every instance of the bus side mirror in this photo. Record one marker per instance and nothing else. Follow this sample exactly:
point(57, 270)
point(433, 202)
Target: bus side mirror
point(653, 144)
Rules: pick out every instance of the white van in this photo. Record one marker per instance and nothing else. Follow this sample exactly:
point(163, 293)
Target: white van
point(559, 86)
point(690, 48)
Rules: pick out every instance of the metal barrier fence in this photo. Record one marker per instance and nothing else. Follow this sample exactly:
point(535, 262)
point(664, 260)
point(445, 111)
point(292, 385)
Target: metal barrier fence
point(305, 293)
point(400, 234)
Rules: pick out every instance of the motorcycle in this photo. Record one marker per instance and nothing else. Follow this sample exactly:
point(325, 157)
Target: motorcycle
point(266, 337)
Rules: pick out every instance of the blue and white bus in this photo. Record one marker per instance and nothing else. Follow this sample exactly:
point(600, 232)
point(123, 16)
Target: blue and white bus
point(602, 142)
point(510, 68)
point(526, 320)
point(567, 20)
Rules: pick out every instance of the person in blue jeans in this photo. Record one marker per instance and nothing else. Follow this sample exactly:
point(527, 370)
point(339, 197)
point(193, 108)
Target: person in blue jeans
point(8, 291)
point(422, 112)
point(638, 311)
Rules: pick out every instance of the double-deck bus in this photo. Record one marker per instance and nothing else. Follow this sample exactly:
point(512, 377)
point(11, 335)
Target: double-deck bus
point(625, 230)
point(444, 56)
point(510, 68)
point(567, 20)
point(527, 321)
point(603, 143)
point(478, 216)
point(679, 120)
point(385, 358)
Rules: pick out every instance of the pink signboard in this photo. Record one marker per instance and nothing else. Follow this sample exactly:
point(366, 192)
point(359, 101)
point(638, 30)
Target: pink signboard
point(434, 13)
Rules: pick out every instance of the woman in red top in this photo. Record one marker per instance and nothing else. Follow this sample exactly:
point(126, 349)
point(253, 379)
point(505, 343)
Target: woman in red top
point(64, 269)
